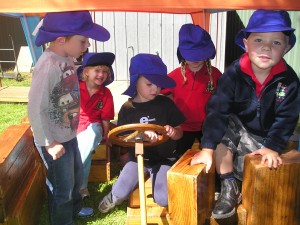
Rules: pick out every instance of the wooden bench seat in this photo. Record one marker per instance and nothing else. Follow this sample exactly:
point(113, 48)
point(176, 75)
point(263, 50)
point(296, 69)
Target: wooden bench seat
point(100, 168)
point(22, 177)
point(155, 214)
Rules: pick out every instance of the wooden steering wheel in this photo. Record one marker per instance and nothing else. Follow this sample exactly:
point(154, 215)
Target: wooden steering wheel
point(137, 139)
point(136, 131)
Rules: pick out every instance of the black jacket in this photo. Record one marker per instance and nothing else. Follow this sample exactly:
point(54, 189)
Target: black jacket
point(273, 116)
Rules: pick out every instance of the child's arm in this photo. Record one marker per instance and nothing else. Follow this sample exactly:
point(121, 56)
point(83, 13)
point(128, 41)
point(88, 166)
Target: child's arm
point(204, 156)
point(56, 150)
point(105, 125)
point(269, 155)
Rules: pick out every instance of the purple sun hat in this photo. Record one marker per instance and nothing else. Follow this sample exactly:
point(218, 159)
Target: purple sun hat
point(152, 68)
point(62, 24)
point(263, 21)
point(98, 59)
point(195, 44)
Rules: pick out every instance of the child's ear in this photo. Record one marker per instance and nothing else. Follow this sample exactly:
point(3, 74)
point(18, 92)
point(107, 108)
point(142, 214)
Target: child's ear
point(286, 49)
point(245, 44)
point(61, 40)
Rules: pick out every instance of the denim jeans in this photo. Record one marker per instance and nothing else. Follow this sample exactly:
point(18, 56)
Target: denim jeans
point(65, 175)
point(88, 140)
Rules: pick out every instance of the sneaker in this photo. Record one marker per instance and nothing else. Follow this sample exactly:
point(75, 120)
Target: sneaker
point(84, 193)
point(106, 204)
point(85, 212)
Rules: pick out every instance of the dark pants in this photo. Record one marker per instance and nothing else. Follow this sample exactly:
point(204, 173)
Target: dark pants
point(186, 142)
point(65, 176)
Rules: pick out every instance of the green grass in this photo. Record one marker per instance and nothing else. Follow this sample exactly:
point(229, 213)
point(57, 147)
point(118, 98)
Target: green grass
point(11, 114)
point(26, 79)
point(97, 190)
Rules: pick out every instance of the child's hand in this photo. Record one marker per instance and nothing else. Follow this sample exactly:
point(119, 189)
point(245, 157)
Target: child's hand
point(268, 155)
point(171, 132)
point(153, 137)
point(56, 150)
point(204, 156)
point(174, 133)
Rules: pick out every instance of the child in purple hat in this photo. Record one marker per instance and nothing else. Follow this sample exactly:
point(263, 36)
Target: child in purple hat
point(148, 74)
point(255, 108)
point(195, 81)
point(53, 109)
point(96, 107)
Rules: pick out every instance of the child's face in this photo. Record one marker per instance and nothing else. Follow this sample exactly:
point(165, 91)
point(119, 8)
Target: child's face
point(266, 49)
point(146, 90)
point(195, 66)
point(96, 75)
point(76, 45)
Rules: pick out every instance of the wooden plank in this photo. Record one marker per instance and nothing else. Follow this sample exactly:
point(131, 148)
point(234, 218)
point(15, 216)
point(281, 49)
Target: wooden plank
point(14, 94)
point(100, 171)
point(18, 158)
point(191, 191)
point(29, 205)
point(240, 218)
point(155, 29)
point(100, 152)
point(155, 215)
point(272, 196)
point(134, 199)
point(22, 177)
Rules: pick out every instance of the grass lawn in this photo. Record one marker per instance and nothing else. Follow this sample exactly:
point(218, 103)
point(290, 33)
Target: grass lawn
point(97, 190)
point(12, 114)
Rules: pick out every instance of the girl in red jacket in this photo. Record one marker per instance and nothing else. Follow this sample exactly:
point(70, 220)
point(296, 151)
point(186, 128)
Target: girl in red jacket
point(195, 81)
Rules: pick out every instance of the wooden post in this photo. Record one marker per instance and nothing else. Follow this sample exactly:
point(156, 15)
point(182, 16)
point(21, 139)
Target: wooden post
point(139, 151)
point(191, 191)
point(272, 196)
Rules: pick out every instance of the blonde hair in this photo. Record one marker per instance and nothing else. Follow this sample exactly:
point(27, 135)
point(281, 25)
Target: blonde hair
point(210, 85)
point(182, 65)
point(84, 77)
point(128, 104)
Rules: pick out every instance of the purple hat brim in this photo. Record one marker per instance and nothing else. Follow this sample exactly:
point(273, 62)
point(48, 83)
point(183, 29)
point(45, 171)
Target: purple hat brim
point(243, 34)
point(158, 80)
point(266, 21)
point(96, 32)
point(130, 91)
point(195, 55)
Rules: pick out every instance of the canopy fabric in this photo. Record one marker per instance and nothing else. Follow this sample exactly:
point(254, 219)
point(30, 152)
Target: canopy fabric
point(160, 6)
